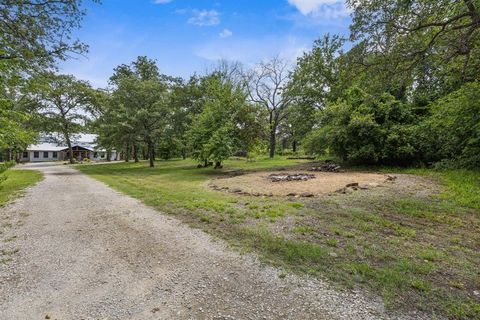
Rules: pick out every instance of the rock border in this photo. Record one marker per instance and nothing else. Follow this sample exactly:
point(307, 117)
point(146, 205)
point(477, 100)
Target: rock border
point(349, 188)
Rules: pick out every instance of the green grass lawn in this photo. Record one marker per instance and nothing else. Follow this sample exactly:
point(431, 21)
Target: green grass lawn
point(16, 181)
point(417, 250)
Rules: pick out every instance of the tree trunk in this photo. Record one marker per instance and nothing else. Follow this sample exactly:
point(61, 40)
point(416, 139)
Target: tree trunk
point(70, 150)
point(109, 155)
point(127, 152)
point(294, 146)
point(273, 133)
point(273, 138)
point(151, 153)
point(135, 153)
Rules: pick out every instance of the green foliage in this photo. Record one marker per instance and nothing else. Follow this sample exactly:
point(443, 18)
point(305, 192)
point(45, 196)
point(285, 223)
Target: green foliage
point(138, 110)
point(63, 103)
point(417, 64)
point(452, 132)
point(365, 129)
point(36, 33)
point(15, 182)
point(14, 130)
point(317, 79)
point(227, 122)
point(3, 168)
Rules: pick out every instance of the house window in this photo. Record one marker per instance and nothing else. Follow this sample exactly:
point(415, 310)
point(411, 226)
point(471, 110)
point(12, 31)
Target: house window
point(45, 154)
point(55, 155)
point(25, 155)
point(36, 154)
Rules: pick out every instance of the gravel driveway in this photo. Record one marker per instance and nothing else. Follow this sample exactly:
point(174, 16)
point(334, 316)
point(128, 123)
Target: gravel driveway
point(79, 250)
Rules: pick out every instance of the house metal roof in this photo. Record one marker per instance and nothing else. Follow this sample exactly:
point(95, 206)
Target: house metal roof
point(45, 147)
point(84, 140)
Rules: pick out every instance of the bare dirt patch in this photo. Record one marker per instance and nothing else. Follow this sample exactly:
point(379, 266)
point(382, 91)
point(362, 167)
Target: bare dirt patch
point(284, 184)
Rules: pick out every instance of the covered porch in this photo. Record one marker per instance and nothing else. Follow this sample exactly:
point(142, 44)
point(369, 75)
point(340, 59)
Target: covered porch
point(79, 153)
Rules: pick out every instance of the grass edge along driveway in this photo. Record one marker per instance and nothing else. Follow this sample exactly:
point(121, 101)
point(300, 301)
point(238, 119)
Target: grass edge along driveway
point(418, 252)
point(16, 181)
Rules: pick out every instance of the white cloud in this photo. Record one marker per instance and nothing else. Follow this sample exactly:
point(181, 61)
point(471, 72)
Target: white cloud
point(225, 33)
point(162, 1)
point(250, 51)
point(204, 18)
point(328, 9)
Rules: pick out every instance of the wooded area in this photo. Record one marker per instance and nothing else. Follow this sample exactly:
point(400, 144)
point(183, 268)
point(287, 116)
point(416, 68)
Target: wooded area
point(402, 90)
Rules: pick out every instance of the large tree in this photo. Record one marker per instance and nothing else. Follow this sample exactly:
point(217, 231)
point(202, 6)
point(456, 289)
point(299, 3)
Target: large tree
point(227, 122)
point(433, 41)
point(140, 99)
point(63, 102)
point(34, 33)
point(15, 132)
point(186, 103)
point(267, 85)
point(317, 77)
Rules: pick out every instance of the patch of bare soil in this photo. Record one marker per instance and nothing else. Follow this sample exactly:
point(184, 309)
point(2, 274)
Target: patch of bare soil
point(300, 183)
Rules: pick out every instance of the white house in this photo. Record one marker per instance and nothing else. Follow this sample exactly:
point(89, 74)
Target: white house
point(83, 147)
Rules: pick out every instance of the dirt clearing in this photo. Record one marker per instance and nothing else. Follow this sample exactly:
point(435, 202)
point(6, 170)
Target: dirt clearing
point(318, 183)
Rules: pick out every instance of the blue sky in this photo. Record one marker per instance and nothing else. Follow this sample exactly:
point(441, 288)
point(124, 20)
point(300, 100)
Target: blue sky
point(188, 36)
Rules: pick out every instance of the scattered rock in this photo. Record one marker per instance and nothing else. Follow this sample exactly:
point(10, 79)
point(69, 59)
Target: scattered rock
point(291, 194)
point(156, 309)
point(391, 178)
point(349, 188)
point(307, 195)
point(236, 190)
point(342, 190)
point(280, 177)
point(327, 167)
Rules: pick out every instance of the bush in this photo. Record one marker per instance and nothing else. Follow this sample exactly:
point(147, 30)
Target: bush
point(365, 129)
point(4, 167)
point(451, 134)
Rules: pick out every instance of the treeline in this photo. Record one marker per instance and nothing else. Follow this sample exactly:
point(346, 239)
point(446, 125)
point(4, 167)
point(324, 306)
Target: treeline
point(406, 92)
point(145, 114)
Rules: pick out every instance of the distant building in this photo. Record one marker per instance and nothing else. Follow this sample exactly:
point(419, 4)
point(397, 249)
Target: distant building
point(83, 147)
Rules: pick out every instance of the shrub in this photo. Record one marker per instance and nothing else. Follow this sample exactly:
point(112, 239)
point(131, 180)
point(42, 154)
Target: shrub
point(362, 128)
point(451, 134)
point(4, 167)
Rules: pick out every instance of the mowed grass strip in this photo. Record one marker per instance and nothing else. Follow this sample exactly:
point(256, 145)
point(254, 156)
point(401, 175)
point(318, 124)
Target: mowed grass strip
point(417, 250)
point(16, 181)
